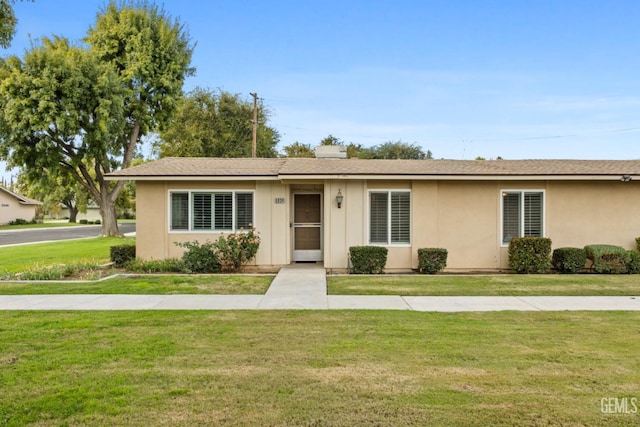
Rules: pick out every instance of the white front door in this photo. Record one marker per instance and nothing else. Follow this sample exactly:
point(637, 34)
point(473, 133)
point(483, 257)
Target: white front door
point(307, 227)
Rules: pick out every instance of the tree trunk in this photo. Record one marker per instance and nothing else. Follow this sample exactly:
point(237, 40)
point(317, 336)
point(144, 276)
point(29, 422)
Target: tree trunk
point(73, 214)
point(109, 216)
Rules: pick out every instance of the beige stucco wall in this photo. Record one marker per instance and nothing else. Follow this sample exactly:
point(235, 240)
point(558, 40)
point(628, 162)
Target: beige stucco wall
point(461, 216)
point(153, 238)
point(11, 209)
point(580, 213)
point(272, 223)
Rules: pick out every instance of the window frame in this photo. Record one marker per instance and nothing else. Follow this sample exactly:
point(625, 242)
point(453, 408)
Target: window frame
point(521, 226)
point(212, 192)
point(390, 220)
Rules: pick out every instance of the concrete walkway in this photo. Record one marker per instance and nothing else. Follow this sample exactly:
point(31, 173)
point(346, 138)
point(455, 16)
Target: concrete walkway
point(304, 286)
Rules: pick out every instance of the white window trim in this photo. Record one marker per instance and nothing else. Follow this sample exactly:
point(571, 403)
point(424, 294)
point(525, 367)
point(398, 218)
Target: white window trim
point(190, 230)
point(368, 219)
point(521, 192)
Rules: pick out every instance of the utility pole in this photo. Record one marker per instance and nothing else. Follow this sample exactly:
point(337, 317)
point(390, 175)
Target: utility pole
point(255, 124)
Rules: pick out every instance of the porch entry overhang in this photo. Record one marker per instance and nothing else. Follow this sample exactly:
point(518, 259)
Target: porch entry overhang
point(307, 226)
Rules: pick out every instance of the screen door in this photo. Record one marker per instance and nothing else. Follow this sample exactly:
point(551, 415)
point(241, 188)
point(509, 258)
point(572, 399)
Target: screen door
point(307, 227)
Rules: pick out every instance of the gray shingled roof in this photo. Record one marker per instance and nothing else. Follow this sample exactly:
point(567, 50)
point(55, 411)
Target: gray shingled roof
point(203, 166)
point(21, 199)
point(176, 167)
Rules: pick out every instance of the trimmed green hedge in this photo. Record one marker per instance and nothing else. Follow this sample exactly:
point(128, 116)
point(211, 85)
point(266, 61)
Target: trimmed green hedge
point(368, 259)
point(122, 254)
point(633, 266)
point(431, 260)
point(530, 254)
point(608, 259)
point(568, 260)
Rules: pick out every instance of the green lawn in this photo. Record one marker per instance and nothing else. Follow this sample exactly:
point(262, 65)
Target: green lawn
point(317, 368)
point(18, 258)
point(149, 285)
point(490, 285)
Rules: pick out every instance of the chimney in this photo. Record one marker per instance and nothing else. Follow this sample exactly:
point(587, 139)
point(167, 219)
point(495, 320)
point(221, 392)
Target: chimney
point(331, 152)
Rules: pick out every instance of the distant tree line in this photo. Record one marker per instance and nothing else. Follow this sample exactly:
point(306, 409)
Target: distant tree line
point(387, 150)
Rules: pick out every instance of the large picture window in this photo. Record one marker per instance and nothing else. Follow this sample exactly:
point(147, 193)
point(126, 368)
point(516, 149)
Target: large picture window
point(211, 211)
point(389, 217)
point(522, 214)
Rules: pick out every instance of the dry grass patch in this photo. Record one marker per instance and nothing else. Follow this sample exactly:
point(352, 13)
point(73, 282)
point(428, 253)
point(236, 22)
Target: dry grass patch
point(223, 284)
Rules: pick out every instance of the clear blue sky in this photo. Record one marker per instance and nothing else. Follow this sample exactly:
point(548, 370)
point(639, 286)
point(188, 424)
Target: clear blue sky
point(517, 79)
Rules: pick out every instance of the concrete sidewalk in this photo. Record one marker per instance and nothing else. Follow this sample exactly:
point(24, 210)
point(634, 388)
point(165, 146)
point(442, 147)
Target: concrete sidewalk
point(304, 287)
point(331, 302)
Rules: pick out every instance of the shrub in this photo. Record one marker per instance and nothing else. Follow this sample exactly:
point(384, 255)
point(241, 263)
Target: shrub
point(368, 259)
point(169, 265)
point(236, 249)
point(97, 221)
point(431, 260)
point(569, 260)
point(19, 221)
point(530, 254)
point(608, 259)
point(199, 258)
point(84, 269)
point(122, 254)
point(638, 244)
point(83, 221)
point(633, 266)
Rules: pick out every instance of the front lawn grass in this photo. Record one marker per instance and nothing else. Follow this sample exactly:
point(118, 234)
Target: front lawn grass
point(19, 258)
point(317, 368)
point(222, 284)
point(487, 285)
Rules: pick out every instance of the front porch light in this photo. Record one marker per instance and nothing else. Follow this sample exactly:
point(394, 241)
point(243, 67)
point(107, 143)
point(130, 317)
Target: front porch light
point(339, 198)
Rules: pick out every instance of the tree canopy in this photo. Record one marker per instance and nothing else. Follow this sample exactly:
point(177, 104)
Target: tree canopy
point(216, 124)
point(298, 150)
point(8, 22)
point(81, 111)
point(399, 150)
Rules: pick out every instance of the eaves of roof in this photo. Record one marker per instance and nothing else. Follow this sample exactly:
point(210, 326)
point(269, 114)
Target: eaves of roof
point(212, 169)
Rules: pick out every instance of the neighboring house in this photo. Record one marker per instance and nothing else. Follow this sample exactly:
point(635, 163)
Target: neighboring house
point(92, 213)
point(14, 206)
point(315, 209)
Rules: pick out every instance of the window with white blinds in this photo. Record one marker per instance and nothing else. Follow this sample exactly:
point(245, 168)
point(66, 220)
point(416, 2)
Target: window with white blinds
point(244, 211)
point(223, 205)
point(389, 217)
point(211, 211)
point(522, 214)
point(179, 211)
point(379, 217)
point(201, 207)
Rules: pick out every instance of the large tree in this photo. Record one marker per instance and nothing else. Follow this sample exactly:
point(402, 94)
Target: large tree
point(83, 110)
point(216, 124)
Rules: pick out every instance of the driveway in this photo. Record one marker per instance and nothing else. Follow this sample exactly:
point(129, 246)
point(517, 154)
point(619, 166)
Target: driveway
point(17, 237)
